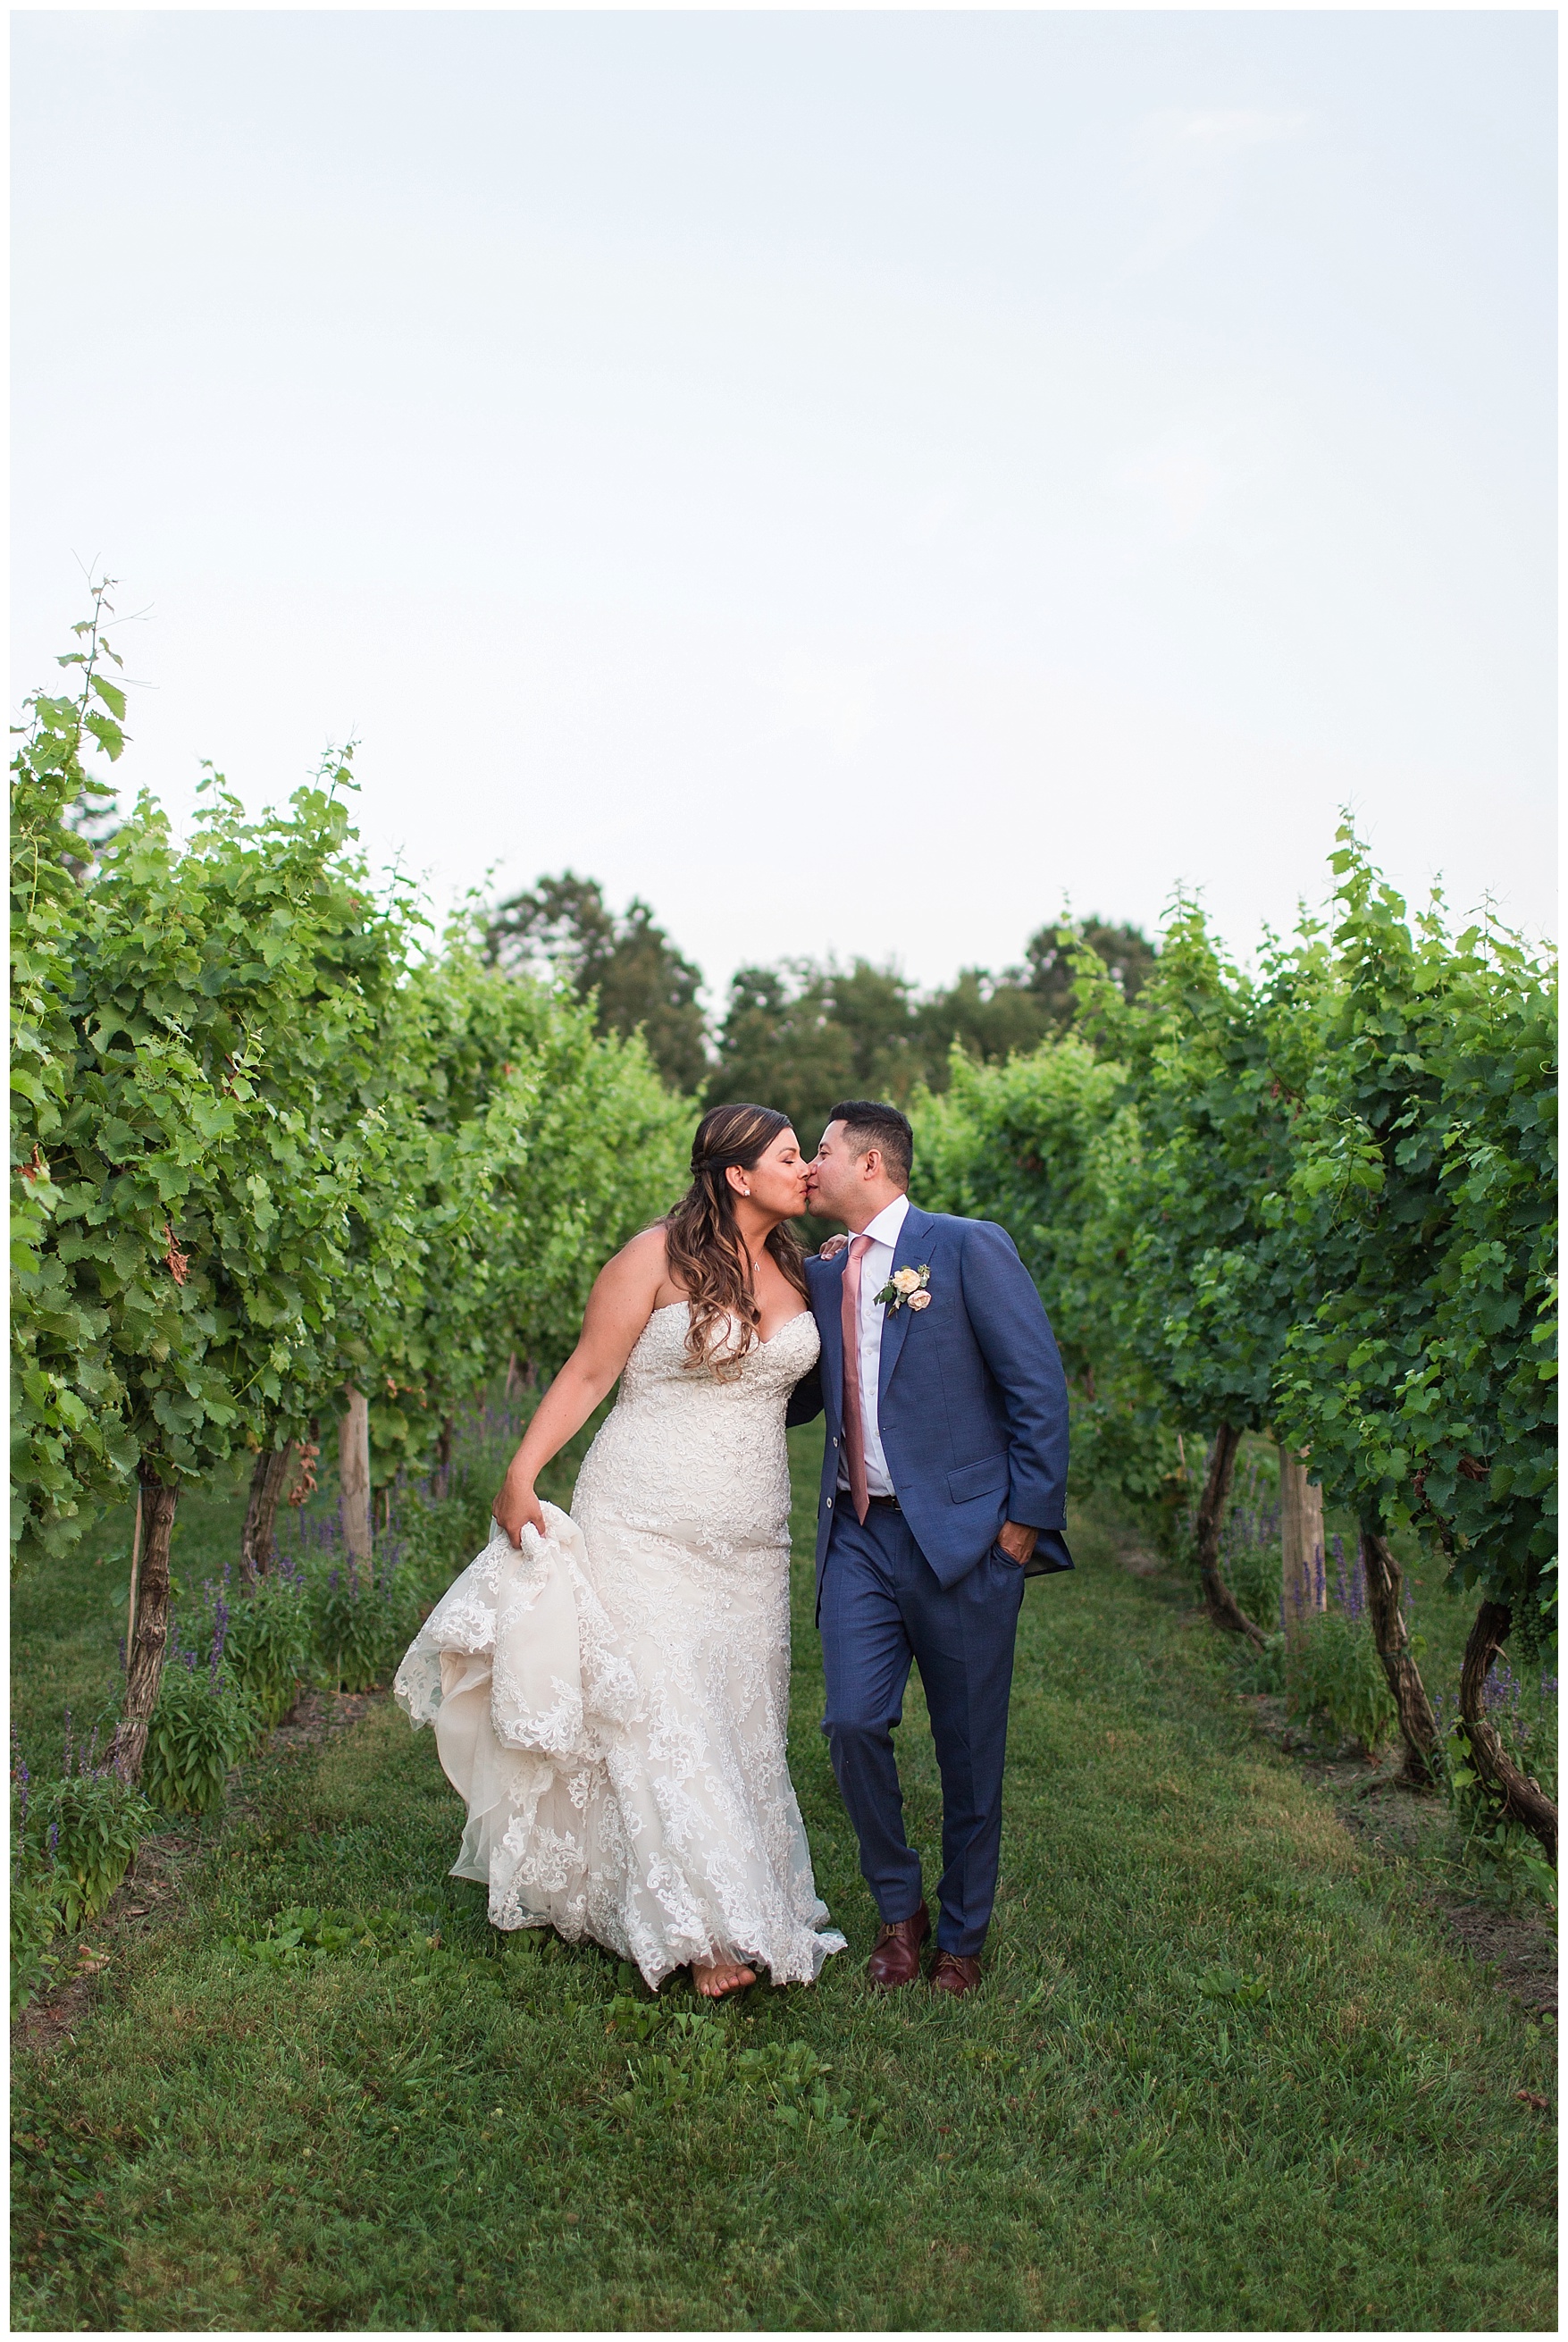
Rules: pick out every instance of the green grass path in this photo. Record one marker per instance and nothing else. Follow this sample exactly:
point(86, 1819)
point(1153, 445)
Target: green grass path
point(1225, 2071)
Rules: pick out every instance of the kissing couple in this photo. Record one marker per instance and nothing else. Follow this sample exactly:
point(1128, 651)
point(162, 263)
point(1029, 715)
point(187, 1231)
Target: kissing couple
point(610, 1688)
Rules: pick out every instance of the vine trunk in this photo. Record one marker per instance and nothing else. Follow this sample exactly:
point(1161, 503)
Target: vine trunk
point(1417, 1725)
point(1219, 1601)
point(145, 1658)
point(258, 1538)
point(1523, 1799)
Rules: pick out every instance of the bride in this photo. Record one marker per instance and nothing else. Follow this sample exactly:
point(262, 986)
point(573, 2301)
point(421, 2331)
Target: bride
point(610, 1688)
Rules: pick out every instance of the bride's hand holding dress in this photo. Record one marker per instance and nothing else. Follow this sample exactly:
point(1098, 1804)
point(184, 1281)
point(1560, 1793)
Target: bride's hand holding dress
point(627, 1292)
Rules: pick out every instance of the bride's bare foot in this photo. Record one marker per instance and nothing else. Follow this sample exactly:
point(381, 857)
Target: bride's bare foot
point(722, 1978)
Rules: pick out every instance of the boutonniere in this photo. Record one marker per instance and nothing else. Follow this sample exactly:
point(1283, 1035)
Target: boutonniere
point(906, 1288)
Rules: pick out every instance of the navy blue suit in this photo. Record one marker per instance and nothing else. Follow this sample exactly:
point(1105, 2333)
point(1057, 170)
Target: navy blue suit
point(972, 1411)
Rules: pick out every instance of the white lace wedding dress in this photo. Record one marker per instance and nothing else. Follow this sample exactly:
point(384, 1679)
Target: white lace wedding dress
point(611, 1702)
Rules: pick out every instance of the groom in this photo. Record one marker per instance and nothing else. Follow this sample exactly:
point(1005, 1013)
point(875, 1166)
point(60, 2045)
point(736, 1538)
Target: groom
point(943, 1487)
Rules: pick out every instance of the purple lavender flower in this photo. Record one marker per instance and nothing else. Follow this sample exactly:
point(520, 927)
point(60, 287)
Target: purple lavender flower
point(54, 1838)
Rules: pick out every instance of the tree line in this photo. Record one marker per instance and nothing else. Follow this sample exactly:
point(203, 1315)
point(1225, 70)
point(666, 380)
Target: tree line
point(800, 1034)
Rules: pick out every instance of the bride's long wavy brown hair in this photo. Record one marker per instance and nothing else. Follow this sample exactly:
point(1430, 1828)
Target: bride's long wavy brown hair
point(706, 1251)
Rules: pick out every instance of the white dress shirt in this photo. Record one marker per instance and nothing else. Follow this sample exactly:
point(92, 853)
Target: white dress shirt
point(875, 1269)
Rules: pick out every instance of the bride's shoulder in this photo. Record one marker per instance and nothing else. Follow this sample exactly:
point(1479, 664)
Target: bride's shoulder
point(630, 1278)
point(644, 1253)
point(642, 1267)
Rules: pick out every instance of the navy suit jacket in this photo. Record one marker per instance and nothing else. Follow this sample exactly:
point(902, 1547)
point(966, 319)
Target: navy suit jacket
point(971, 1402)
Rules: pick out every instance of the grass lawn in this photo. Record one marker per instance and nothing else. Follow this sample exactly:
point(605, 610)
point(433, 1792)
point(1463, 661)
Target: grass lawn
point(1228, 2070)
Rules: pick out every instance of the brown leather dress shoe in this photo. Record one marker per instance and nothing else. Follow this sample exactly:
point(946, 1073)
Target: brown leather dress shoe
point(896, 1957)
point(950, 1973)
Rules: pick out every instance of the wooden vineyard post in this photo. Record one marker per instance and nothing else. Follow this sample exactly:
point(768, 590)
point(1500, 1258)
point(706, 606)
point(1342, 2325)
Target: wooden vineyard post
point(1301, 1541)
point(354, 1472)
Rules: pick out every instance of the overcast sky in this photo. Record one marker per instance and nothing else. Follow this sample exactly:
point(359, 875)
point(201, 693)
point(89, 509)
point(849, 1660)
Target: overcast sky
point(853, 480)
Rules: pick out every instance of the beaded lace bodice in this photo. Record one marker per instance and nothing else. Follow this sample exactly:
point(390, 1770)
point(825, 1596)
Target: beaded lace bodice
point(693, 1453)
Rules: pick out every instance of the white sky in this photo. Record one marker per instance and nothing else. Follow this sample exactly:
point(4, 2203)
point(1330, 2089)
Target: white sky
point(852, 479)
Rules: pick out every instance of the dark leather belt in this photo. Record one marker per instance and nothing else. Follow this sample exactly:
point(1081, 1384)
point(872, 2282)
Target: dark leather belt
point(891, 1501)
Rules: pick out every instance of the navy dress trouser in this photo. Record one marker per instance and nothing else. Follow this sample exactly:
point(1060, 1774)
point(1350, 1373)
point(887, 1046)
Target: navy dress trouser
point(882, 1606)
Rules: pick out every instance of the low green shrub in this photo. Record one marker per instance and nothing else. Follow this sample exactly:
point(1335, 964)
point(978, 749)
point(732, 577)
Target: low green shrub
point(1261, 1670)
point(1331, 1669)
point(363, 1615)
point(83, 1831)
point(437, 1537)
point(1250, 1550)
point(201, 1727)
point(35, 1919)
point(268, 1647)
point(1253, 1571)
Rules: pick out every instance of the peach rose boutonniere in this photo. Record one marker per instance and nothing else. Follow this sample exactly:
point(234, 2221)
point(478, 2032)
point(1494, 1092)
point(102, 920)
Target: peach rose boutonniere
point(906, 1288)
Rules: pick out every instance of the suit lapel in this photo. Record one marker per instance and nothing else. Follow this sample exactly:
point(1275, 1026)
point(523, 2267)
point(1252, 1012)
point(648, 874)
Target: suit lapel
point(913, 1238)
point(830, 1328)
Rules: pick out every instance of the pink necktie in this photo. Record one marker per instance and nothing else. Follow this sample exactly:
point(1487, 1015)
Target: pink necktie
point(854, 1431)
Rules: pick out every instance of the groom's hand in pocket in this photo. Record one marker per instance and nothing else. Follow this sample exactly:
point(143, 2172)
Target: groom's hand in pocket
point(1017, 1542)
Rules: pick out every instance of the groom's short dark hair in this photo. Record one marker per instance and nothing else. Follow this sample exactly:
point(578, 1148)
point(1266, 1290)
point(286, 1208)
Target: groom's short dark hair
point(868, 1122)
